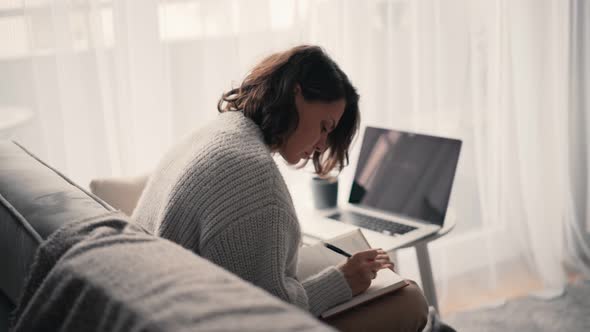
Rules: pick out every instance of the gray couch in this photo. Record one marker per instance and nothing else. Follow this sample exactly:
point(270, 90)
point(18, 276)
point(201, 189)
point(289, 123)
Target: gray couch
point(36, 200)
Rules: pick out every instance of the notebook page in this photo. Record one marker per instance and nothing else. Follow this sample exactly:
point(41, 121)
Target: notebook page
point(314, 259)
point(385, 277)
point(351, 242)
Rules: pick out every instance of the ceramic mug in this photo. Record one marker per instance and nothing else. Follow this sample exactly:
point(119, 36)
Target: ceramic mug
point(325, 192)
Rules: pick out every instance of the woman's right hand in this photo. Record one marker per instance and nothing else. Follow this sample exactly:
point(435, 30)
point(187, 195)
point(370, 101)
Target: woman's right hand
point(362, 267)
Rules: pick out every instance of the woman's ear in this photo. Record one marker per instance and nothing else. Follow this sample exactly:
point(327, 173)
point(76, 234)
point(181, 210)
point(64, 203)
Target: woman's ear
point(297, 89)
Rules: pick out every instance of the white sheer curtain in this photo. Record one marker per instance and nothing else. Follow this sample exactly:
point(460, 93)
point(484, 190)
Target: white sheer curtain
point(113, 84)
point(578, 232)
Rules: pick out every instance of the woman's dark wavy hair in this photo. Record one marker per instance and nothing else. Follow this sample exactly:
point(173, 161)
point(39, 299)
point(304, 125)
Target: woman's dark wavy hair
point(267, 96)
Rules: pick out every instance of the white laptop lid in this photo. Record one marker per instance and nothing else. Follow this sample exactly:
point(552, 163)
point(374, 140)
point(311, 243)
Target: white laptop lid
point(405, 174)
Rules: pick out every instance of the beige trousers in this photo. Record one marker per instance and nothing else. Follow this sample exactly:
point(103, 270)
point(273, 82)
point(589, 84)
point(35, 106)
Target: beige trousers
point(404, 310)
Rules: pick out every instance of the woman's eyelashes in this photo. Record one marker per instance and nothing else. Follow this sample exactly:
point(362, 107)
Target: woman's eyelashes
point(325, 127)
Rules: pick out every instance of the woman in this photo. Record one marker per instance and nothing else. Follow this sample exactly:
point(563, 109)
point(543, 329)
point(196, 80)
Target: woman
point(220, 194)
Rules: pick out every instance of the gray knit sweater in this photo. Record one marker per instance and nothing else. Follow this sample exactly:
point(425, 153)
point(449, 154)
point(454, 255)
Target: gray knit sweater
point(220, 194)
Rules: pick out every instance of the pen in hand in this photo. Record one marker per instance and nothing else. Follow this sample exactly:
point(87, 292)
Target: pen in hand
point(337, 250)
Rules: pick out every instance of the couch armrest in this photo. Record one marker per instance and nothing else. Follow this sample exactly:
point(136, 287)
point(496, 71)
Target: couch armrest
point(35, 200)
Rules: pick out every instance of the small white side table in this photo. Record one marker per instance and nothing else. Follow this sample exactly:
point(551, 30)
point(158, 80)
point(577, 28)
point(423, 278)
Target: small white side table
point(424, 265)
point(12, 117)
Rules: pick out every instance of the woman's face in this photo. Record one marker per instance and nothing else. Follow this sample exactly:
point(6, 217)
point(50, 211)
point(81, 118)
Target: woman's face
point(316, 120)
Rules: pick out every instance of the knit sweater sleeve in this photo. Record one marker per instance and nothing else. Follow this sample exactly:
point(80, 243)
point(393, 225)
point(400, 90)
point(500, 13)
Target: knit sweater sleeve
point(258, 248)
point(326, 289)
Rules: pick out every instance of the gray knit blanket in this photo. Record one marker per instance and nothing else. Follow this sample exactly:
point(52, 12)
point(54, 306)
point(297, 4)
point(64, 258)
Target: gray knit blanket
point(107, 274)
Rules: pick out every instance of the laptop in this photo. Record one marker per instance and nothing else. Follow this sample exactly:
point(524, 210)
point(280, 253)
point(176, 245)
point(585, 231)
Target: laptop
point(402, 184)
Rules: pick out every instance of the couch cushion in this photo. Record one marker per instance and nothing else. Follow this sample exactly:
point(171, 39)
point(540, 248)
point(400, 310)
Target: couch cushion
point(120, 192)
point(35, 200)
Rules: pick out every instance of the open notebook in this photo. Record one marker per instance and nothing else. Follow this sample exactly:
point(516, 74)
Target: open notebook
point(315, 258)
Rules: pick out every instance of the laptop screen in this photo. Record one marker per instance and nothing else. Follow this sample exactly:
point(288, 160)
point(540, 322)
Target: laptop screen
point(405, 174)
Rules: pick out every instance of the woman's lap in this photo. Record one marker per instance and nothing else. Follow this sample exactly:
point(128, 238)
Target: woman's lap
point(404, 310)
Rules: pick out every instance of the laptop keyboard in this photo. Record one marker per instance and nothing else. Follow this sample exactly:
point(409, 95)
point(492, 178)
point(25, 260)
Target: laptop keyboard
point(375, 224)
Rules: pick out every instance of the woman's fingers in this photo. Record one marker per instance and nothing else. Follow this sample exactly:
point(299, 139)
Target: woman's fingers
point(373, 260)
point(367, 254)
point(372, 254)
point(384, 261)
point(383, 264)
point(382, 258)
point(375, 265)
